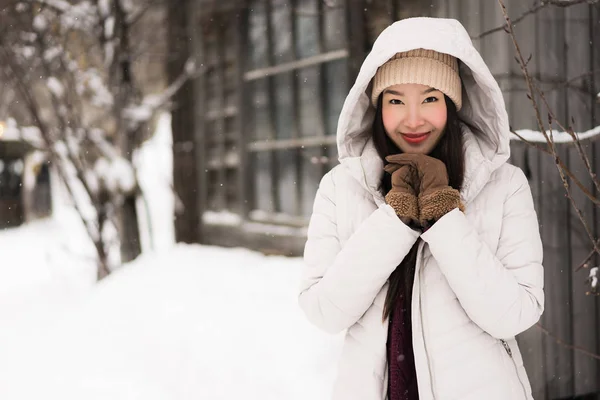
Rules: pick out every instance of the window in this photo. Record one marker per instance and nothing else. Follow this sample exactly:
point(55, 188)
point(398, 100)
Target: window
point(11, 171)
point(42, 200)
point(219, 30)
point(275, 79)
point(296, 79)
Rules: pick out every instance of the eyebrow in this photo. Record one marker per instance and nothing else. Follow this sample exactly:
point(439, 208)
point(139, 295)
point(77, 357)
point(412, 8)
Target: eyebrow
point(402, 94)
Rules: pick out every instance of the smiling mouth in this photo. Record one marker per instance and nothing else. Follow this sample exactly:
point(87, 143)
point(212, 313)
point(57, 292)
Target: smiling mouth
point(415, 137)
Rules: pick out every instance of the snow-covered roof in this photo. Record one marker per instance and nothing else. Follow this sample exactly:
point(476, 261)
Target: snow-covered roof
point(557, 136)
point(11, 132)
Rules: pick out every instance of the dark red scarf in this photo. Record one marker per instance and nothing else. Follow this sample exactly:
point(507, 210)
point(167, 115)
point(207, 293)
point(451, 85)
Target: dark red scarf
point(402, 383)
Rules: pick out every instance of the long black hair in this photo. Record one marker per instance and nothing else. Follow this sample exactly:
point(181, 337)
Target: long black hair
point(449, 150)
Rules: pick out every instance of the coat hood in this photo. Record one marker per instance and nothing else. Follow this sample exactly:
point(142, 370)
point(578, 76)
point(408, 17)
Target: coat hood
point(487, 134)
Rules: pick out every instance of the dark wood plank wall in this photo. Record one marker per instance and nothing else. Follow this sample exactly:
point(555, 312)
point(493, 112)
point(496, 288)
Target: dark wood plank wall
point(579, 105)
point(594, 84)
point(564, 44)
point(554, 216)
point(533, 341)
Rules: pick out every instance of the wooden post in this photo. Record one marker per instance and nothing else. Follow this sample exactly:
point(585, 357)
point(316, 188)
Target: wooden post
point(356, 33)
point(181, 21)
point(246, 167)
point(272, 101)
point(127, 225)
point(197, 198)
point(296, 104)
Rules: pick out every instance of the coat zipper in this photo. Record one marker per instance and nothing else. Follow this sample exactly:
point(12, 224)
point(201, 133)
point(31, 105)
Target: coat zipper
point(510, 354)
point(506, 347)
point(433, 386)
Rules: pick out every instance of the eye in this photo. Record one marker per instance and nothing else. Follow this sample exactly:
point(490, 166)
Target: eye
point(395, 101)
point(430, 99)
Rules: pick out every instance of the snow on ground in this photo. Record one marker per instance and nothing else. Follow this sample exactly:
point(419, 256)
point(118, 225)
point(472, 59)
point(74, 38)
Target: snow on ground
point(193, 322)
point(180, 322)
point(45, 265)
point(188, 322)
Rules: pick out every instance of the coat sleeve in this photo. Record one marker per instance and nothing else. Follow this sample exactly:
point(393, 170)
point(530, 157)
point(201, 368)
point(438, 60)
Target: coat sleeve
point(339, 283)
point(502, 292)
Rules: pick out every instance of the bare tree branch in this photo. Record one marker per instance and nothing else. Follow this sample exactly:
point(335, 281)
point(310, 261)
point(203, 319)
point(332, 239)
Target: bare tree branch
point(560, 84)
point(567, 345)
point(534, 9)
point(94, 231)
point(584, 263)
point(151, 104)
point(532, 90)
point(138, 14)
point(571, 132)
point(64, 83)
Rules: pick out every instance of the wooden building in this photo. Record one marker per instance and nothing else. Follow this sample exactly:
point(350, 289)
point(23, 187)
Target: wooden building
point(25, 193)
point(255, 132)
point(11, 169)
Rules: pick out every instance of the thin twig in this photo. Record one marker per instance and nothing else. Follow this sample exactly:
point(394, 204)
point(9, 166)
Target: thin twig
point(556, 85)
point(65, 123)
point(577, 182)
point(521, 17)
point(576, 78)
point(534, 9)
point(571, 132)
point(135, 16)
point(584, 263)
point(567, 345)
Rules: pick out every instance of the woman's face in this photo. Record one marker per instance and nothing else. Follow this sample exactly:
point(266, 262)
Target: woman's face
point(414, 116)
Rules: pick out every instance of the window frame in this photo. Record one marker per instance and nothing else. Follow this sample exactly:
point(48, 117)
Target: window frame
point(272, 144)
point(247, 146)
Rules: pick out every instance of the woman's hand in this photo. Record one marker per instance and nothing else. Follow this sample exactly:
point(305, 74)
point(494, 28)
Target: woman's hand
point(435, 196)
point(403, 195)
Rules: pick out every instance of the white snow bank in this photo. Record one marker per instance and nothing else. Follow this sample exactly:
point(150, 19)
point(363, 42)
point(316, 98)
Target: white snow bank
point(154, 164)
point(11, 132)
point(557, 136)
point(45, 266)
point(193, 323)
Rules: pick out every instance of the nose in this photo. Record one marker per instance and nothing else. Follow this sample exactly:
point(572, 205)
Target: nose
point(413, 118)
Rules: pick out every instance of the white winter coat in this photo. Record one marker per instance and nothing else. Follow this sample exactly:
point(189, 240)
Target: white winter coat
point(479, 276)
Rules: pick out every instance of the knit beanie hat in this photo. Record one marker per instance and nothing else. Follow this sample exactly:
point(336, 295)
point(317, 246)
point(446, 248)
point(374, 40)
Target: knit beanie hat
point(425, 67)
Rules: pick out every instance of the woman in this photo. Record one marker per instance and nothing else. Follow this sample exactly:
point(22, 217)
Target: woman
point(424, 243)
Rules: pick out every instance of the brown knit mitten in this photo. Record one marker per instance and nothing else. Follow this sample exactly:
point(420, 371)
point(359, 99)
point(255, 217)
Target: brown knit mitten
point(402, 196)
point(435, 196)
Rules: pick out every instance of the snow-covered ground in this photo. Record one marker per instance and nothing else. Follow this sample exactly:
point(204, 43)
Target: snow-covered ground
point(179, 322)
point(44, 266)
point(193, 322)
